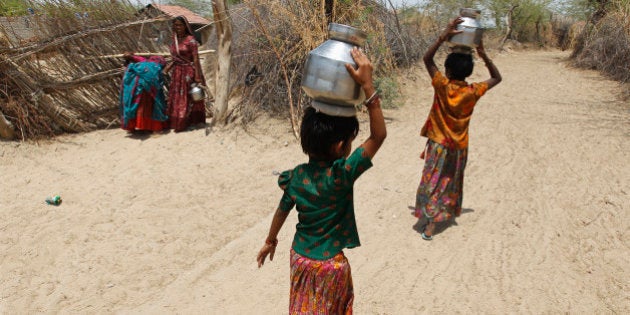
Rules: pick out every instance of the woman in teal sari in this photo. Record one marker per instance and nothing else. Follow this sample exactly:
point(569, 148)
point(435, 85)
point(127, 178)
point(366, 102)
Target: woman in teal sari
point(142, 101)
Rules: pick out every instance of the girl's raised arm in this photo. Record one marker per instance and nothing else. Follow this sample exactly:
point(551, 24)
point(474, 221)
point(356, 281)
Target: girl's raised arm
point(495, 76)
point(363, 76)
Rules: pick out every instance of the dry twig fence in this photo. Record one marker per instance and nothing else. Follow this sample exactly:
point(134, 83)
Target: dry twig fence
point(50, 84)
point(69, 91)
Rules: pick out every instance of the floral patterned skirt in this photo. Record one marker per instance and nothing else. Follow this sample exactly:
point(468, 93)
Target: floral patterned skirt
point(320, 286)
point(440, 193)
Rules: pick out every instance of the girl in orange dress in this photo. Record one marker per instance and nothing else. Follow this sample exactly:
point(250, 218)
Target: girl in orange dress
point(440, 193)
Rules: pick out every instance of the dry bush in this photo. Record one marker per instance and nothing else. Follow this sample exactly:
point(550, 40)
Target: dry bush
point(540, 33)
point(564, 30)
point(606, 46)
point(275, 37)
point(408, 33)
point(492, 38)
point(574, 32)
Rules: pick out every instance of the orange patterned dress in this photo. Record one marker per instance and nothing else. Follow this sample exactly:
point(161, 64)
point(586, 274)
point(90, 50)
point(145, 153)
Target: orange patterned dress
point(440, 193)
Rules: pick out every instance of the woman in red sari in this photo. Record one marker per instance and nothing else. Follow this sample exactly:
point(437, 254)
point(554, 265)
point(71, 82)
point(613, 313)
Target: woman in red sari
point(184, 69)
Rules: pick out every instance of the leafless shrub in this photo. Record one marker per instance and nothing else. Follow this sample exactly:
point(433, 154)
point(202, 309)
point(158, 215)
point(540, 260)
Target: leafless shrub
point(565, 30)
point(273, 39)
point(606, 46)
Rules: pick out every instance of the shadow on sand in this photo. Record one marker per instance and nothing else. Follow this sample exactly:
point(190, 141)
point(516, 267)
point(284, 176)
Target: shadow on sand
point(439, 226)
point(145, 134)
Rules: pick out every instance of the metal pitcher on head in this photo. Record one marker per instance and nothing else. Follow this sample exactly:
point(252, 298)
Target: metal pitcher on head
point(471, 34)
point(325, 77)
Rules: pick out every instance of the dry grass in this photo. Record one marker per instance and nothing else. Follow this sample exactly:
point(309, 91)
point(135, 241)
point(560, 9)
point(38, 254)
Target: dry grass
point(605, 46)
point(276, 37)
point(565, 31)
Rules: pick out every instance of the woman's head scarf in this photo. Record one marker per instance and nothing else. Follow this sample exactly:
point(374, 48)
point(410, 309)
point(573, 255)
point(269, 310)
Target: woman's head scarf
point(184, 20)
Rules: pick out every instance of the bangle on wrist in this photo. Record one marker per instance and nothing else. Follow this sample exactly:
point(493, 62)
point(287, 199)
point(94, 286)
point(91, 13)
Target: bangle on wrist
point(370, 99)
point(273, 242)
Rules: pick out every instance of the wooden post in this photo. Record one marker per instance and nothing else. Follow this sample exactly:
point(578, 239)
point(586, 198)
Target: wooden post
point(223, 24)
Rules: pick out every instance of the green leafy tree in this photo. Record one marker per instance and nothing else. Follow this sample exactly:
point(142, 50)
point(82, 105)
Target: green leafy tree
point(519, 19)
point(578, 9)
point(530, 18)
point(445, 10)
point(13, 7)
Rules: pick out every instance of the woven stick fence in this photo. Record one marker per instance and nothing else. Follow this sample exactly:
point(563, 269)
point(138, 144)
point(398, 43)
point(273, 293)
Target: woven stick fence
point(50, 83)
point(72, 90)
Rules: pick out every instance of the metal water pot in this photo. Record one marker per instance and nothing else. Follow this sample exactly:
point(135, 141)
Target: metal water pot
point(470, 37)
point(325, 77)
point(197, 92)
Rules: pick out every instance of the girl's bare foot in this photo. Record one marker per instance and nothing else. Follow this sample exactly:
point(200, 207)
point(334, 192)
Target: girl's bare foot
point(427, 233)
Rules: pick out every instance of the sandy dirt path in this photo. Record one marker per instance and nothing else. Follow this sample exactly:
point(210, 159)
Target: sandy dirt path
point(172, 223)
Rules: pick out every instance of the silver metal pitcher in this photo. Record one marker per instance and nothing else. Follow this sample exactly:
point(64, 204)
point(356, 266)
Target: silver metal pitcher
point(197, 92)
point(471, 34)
point(325, 77)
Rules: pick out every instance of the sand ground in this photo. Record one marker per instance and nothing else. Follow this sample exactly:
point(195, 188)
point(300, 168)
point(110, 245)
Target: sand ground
point(171, 223)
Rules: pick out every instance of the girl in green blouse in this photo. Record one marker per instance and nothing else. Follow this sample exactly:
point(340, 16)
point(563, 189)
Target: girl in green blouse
point(322, 193)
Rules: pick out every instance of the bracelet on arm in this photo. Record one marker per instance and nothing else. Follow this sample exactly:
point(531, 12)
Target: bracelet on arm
point(371, 98)
point(273, 243)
